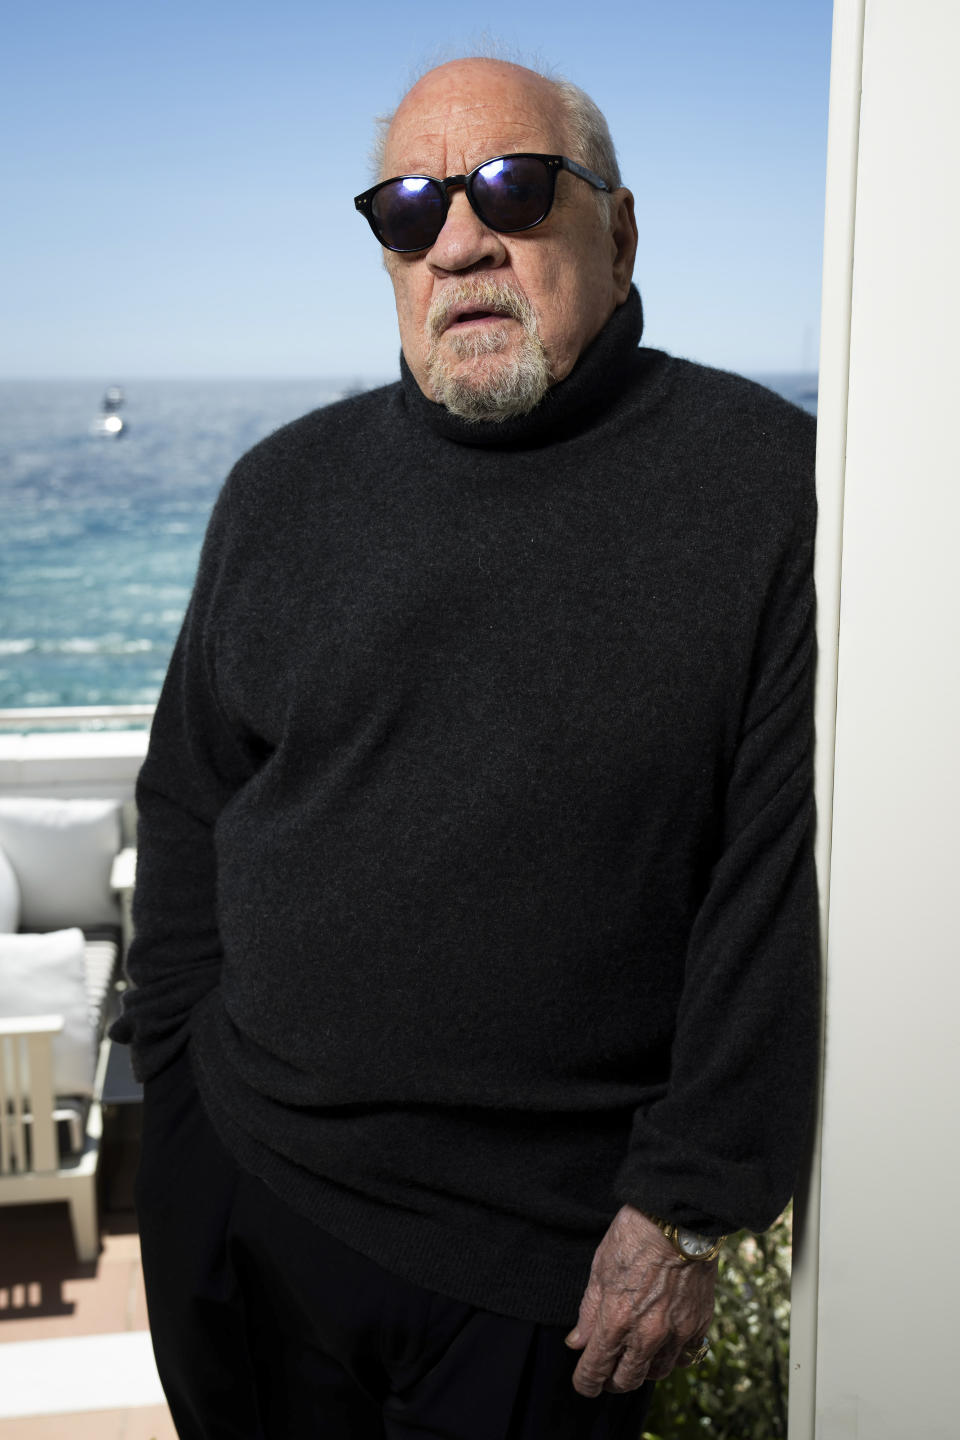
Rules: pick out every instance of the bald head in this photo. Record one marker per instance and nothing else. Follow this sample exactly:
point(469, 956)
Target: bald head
point(584, 124)
point(464, 99)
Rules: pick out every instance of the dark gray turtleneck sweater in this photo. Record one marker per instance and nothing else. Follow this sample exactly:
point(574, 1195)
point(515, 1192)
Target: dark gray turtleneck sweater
point(475, 847)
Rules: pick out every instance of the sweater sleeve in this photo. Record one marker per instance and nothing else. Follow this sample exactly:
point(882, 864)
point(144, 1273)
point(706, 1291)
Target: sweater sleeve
point(720, 1151)
point(194, 763)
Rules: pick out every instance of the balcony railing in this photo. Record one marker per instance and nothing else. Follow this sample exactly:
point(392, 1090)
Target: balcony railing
point(75, 718)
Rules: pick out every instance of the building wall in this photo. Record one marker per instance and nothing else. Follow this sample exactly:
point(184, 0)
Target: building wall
point(878, 1277)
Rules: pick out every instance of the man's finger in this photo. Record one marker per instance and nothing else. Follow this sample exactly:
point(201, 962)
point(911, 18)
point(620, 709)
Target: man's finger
point(590, 1380)
point(587, 1317)
point(633, 1368)
point(596, 1365)
point(613, 1354)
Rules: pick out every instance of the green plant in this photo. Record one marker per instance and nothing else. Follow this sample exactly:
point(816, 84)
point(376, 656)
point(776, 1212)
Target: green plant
point(739, 1392)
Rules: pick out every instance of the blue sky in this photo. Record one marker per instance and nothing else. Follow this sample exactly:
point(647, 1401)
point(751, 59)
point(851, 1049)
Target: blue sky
point(178, 177)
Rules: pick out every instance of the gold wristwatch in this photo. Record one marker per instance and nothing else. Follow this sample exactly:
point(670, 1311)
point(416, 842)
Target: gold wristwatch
point(690, 1246)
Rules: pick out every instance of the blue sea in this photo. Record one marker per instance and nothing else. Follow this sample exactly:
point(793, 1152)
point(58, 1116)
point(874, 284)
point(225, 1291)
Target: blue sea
point(99, 537)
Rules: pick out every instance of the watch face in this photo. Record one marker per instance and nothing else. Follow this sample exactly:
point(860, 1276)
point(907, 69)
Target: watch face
point(693, 1244)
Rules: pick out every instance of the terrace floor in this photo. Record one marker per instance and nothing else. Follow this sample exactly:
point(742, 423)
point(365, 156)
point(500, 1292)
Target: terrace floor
point(75, 1356)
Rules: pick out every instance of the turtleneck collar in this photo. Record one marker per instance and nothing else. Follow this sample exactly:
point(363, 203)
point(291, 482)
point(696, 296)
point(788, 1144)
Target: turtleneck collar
point(592, 384)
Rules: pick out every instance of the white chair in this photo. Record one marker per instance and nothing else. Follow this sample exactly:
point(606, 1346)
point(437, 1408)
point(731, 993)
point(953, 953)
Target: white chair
point(31, 1170)
point(59, 862)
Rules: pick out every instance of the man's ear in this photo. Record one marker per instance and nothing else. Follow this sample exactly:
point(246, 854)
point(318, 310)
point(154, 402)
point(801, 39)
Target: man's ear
point(623, 231)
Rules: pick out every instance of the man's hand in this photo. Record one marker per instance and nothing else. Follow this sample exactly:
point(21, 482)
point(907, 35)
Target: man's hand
point(644, 1311)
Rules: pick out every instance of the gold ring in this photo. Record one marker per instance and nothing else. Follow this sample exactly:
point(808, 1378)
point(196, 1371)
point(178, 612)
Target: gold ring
point(701, 1352)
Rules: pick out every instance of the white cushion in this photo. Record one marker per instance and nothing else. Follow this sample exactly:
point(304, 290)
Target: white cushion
point(62, 851)
point(45, 975)
point(9, 897)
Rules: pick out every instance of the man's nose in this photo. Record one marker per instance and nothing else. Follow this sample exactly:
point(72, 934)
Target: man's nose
point(465, 242)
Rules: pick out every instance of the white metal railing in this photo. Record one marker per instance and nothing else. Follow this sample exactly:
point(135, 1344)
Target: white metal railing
point(76, 717)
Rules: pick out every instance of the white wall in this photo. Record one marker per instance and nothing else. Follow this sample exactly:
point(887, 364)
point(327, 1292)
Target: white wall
point(884, 1253)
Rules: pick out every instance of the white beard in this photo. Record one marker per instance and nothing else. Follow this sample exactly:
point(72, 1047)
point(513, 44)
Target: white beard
point(490, 390)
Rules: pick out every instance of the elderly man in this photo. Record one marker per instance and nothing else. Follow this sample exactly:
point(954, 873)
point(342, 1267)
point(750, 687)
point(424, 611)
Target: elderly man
point(475, 959)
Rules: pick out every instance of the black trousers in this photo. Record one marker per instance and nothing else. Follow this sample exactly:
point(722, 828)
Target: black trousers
point(266, 1328)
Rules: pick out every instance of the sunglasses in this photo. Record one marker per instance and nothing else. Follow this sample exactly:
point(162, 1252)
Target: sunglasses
point(508, 193)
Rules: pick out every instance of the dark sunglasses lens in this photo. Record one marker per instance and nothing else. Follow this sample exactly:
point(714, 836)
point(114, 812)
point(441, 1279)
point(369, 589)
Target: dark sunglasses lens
point(409, 212)
point(513, 193)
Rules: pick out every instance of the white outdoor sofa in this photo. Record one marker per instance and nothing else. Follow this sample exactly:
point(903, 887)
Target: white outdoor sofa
point(62, 924)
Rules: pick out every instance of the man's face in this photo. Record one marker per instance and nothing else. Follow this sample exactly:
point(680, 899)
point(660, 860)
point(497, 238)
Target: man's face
point(567, 275)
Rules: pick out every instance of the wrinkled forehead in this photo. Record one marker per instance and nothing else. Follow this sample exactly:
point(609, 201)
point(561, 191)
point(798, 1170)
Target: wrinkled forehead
point(447, 128)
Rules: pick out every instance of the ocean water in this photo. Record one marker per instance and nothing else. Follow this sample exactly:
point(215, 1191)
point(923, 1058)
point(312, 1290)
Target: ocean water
point(99, 537)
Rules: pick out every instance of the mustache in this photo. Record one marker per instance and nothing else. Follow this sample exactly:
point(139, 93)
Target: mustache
point(479, 291)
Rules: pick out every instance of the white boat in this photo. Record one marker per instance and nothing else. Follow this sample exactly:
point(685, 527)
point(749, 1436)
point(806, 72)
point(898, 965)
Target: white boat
point(109, 423)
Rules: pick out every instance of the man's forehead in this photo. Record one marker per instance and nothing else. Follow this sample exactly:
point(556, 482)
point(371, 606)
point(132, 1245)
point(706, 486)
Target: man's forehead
point(464, 146)
point(472, 120)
